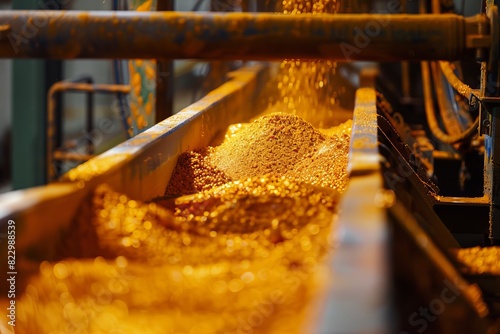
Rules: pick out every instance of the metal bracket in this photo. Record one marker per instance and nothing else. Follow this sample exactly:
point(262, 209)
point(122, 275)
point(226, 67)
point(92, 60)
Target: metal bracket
point(485, 105)
point(495, 38)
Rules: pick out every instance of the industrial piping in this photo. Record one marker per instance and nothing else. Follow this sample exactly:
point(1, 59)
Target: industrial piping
point(244, 36)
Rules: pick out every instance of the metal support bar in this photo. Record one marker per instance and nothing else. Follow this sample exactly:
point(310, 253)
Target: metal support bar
point(65, 86)
point(89, 115)
point(494, 169)
point(28, 115)
point(164, 77)
point(172, 35)
point(64, 156)
point(490, 86)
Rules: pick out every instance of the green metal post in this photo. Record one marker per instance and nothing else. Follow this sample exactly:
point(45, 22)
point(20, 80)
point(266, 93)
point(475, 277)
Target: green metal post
point(28, 119)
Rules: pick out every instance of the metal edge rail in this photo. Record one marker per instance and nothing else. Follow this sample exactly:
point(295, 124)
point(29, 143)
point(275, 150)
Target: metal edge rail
point(245, 36)
point(356, 298)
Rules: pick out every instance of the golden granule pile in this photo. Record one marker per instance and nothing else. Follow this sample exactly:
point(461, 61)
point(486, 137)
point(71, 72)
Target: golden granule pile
point(270, 205)
point(194, 173)
point(272, 144)
point(480, 260)
point(326, 166)
point(250, 217)
point(279, 145)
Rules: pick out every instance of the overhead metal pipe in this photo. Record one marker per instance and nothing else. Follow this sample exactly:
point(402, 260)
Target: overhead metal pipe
point(244, 36)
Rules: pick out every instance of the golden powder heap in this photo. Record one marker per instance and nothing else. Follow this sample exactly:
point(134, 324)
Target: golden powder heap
point(272, 144)
point(480, 260)
point(279, 145)
point(194, 173)
point(326, 166)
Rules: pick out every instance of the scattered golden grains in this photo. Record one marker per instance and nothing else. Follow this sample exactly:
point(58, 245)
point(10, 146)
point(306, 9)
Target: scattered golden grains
point(480, 260)
point(194, 173)
point(106, 296)
point(308, 6)
point(308, 89)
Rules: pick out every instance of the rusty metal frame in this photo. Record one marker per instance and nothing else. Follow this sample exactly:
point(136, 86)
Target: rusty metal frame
point(67, 86)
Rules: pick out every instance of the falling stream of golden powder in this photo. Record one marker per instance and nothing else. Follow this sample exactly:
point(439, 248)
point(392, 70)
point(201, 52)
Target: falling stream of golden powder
point(307, 89)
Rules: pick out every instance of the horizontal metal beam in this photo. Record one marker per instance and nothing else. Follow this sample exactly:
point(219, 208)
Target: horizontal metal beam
point(245, 36)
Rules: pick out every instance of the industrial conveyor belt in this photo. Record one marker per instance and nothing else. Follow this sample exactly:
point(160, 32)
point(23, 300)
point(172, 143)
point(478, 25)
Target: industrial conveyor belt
point(372, 223)
point(140, 169)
